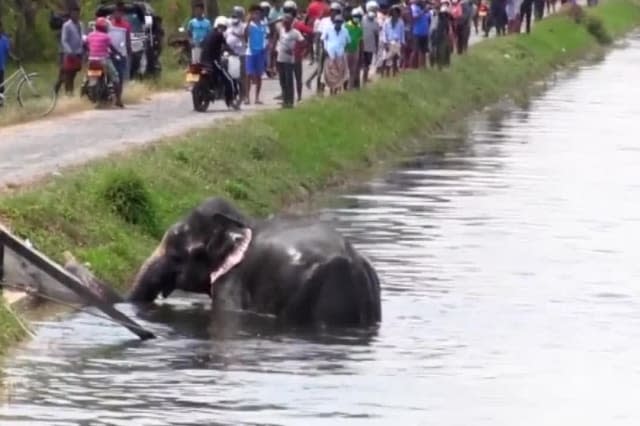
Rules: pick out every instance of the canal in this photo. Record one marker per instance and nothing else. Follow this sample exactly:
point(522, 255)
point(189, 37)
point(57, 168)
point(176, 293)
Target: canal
point(511, 289)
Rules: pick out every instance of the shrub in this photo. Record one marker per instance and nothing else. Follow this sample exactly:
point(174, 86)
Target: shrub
point(128, 197)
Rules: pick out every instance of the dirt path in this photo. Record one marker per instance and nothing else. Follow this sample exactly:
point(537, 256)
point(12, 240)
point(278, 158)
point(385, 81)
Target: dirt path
point(33, 150)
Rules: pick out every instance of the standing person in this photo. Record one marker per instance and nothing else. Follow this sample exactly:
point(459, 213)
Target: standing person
point(354, 47)
point(551, 6)
point(120, 33)
point(72, 49)
point(393, 40)
point(315, 11)
point(256, 36)
point(5, 52)
point(302, 47)
point(235, 37)
point(276, 12)
point(286, 42)
point(538, 9)
point(483, 14)
point(499, 15)
point(370, 39)
point(198, 28)
point(421, 26)
point(442, 44)
point(336, 71)
point(525, 13)
point(269, 45)
point(323, 25)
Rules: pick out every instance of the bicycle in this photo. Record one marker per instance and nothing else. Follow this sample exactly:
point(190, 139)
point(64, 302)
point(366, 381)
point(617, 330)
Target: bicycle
point(30, 95)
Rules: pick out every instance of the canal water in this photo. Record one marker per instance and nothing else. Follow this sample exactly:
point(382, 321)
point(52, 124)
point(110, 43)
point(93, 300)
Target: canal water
point(511, 288)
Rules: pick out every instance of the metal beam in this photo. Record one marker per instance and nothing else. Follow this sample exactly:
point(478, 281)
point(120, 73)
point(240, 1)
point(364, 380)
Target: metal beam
point(56, 272)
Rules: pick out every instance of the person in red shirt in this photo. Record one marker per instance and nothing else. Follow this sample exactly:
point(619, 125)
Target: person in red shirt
point(121, 24)
point(301, 48)
point(317, 9)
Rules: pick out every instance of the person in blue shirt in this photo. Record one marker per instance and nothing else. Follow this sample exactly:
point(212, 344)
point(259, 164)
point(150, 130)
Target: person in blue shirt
point(421, 26)
point(198, 28)
point(5, 52)
point(256, 35)
point(393, 39)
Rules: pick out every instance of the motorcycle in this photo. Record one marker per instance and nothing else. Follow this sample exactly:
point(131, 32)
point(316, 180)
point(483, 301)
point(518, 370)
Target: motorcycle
point(199, 84)
point(97, 85)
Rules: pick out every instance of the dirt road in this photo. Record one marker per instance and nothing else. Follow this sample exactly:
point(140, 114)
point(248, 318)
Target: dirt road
point(33, 150)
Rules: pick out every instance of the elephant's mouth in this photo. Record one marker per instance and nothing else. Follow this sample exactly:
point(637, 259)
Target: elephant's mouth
point(234, 258)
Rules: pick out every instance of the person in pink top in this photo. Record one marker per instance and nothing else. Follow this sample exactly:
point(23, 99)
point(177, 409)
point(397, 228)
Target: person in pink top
point(100, 49)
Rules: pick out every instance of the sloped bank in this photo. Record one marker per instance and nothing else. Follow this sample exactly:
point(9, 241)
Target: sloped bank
point(112, 212)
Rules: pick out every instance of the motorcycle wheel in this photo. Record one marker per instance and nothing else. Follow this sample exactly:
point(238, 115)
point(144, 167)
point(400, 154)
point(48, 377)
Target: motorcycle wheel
point(200, 98)
point(93, 92)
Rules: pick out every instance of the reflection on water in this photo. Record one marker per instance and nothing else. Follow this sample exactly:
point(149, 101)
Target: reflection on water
point(511, 296)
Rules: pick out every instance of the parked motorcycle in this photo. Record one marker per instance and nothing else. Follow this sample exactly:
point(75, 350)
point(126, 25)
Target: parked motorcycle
point(200, 84)
point(97, 86)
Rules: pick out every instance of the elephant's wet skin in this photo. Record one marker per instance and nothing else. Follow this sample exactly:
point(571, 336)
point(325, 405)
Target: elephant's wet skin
point(299, 270)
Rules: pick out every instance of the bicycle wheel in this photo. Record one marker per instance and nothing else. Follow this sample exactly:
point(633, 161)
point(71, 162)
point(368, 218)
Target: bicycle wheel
point(36, 96)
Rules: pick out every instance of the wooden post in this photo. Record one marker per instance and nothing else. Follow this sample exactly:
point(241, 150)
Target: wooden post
point(71, 282)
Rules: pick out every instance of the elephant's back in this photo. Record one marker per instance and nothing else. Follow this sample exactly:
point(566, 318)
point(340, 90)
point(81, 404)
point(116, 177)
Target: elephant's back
point(305, 235)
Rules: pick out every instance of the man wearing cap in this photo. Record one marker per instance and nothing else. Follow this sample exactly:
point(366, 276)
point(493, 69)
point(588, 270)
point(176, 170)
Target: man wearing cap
point(393, 39)
point(370, 38)
point(421, 26)
point(213, 46)
point(354, 47)
point(322, 25)
point(236, 41)
point(287, 38)
point(335, 40)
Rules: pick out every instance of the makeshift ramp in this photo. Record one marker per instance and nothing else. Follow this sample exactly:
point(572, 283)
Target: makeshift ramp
point(23, 267)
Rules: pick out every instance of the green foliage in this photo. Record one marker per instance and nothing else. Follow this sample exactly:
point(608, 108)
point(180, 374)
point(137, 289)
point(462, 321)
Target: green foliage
point(10, 330)
point(270, 159)
point(127, 196)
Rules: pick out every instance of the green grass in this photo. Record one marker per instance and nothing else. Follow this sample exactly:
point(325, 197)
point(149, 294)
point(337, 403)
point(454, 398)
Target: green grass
point(10, 330)
point(112, 212)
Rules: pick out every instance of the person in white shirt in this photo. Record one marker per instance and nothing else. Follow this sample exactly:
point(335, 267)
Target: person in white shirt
point(287, 39)
point(319, 28)
point(235, 37)
point(335, 40)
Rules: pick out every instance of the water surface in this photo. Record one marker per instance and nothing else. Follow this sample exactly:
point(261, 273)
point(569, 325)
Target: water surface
point(511, 296)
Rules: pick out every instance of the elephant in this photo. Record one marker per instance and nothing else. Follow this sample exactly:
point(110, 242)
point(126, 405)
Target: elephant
point(296, 269)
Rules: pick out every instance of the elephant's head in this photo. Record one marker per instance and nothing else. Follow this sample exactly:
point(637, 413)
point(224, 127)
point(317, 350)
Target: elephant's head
point(195, 252)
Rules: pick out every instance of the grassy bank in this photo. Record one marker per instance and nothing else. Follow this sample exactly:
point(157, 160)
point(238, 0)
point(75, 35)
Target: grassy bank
point(112, 212)
point(10, 330)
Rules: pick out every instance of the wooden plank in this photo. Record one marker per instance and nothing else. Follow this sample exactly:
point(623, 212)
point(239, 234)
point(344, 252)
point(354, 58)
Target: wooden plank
point(73, 286)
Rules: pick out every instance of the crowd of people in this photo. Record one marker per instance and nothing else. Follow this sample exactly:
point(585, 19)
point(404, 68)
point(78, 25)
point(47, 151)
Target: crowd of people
point(346, 43)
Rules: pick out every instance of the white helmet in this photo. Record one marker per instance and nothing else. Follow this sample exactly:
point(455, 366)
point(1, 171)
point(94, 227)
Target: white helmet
point(335, 6)
point(357, 11)
point(221, 21)
point(290, 4)
point(264, 5)
point(372, 6)
point(238, 11)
